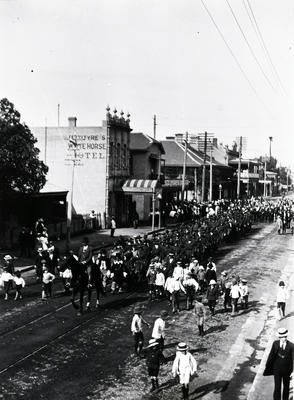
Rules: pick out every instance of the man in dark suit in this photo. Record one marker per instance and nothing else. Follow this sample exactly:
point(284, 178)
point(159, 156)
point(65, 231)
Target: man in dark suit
point(280, 364)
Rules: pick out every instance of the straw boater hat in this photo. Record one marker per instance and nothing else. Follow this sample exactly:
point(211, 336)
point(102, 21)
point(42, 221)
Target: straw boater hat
point(201, 267)
point(243, 281)
point(7, 257)
point(212, 282)
point(152, 342)
point(137, 310)
point(282, 332)
point(182, 346)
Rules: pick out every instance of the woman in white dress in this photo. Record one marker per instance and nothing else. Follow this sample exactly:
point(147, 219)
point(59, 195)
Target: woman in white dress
point(184, 366)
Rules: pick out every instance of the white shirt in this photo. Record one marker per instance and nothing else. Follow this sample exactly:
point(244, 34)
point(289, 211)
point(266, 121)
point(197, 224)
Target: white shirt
point(243, 290)
point(160, 279)
point(178, 272)
point(191, 282)
point(19, 281)
point(282, 295)
point(235, 292)
point(48, 277)
point(136, 324)
point(158, 329)
point(176, 286)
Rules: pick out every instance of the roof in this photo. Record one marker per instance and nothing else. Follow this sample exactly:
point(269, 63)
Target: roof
point(175, 152)
point(140, 141)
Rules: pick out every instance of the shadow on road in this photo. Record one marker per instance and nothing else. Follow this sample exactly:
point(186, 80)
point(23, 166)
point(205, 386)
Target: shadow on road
point(214, 387)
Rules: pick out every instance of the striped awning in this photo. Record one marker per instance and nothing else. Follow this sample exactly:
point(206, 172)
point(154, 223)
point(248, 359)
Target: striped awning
point(140, 186)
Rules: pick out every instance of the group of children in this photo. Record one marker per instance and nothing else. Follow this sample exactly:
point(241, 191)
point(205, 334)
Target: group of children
point(10, 278)
point(12, 281)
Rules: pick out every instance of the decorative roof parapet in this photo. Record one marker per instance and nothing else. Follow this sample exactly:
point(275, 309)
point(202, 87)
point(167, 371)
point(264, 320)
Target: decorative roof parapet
point(115, 120)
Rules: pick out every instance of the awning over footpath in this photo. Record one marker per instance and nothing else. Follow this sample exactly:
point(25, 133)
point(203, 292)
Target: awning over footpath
point(140, 186)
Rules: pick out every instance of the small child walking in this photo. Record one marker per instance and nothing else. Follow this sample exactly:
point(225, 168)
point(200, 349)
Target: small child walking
point(48, 278)
point(244, 293)
point(281, 299)
point(19, 285)
point(184, 366)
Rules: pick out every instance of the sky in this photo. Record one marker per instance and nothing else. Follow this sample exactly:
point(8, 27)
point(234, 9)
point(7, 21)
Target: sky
point(198, 65)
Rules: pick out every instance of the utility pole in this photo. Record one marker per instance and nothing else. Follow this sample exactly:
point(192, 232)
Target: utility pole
point(264, 185)
point(58, 115)
point(195, 183)
point(248, 183)
point(239, 168)
point(184, 166)
point(154, 126)
point(203, 168)
point(46, 134)
point(210, 174)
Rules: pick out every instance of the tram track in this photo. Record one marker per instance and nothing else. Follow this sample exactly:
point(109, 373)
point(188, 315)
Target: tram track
point(112, 304)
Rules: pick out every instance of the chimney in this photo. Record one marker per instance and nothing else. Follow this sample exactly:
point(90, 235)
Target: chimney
point(72, 122)
point(179, 137)
point(214, 142)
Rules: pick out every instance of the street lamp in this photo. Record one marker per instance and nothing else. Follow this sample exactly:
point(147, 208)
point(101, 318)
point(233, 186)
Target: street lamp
point(220, 191)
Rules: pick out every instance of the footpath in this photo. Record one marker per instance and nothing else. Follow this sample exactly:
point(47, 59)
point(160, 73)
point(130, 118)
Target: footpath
point(263, 386)
point(97, 239)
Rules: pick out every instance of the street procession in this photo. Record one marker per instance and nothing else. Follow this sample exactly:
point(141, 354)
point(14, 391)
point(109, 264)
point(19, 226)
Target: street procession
point(147, 235)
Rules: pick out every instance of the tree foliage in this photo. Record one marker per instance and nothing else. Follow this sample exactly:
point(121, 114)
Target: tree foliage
point(20, 167)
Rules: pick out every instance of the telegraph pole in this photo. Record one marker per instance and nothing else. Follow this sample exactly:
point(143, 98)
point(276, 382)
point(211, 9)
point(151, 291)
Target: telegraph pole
point(210, 175)
point(239, 168)
point(154, 126)
point(195, 183)
point(58, 115)
point(264, 185)
point(203, 168)
point(184, 166)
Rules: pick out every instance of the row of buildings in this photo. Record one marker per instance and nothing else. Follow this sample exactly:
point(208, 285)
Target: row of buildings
point(113, 171)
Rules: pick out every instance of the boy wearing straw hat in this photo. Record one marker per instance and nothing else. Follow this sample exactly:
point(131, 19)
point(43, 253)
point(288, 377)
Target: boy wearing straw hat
point(184, 366)
point(280, 364)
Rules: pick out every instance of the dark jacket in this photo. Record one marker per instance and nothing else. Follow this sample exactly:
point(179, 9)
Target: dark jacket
point(154, 357)
point(85, 256)
point(273, 358)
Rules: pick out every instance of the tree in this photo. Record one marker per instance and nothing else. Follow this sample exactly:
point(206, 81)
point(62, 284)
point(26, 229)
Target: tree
point(20, 167)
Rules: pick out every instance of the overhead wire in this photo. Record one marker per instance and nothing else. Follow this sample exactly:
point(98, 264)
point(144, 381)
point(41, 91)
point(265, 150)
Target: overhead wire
point(250, 47)
point(236, 59)
point(266, 49)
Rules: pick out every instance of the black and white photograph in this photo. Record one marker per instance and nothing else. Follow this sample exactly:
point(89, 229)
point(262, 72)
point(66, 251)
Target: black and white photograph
point(147, 200)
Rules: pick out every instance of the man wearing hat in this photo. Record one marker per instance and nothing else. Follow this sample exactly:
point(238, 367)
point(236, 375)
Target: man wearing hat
point(212, 295)
point(137, 329)
point(184, 366)
point(158, 331)
point(280, 364)
point(154, 357)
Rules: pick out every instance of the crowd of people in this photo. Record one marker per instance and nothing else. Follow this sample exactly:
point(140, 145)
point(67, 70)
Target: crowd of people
point(173, 264)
